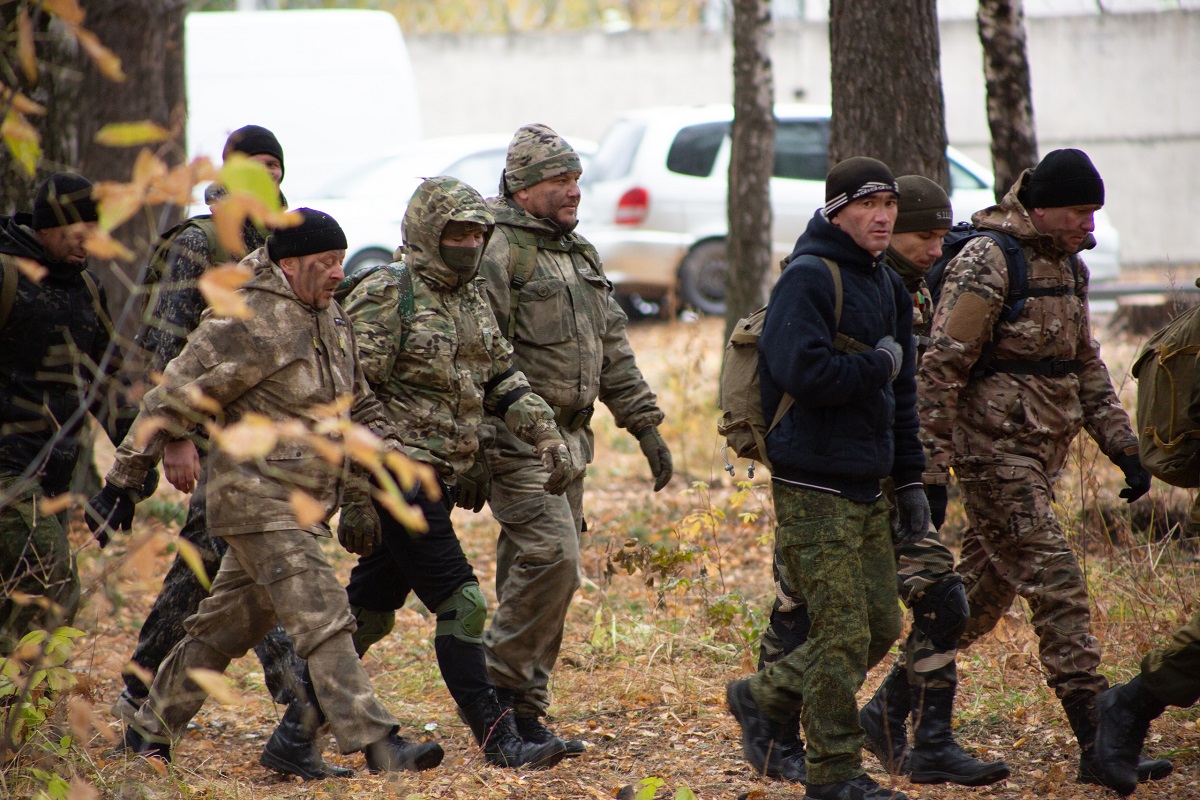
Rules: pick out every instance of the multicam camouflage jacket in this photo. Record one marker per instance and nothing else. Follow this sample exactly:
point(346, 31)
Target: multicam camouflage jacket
point(437, 378)
point(569, 333)
point(992, 419)
point(283, 361)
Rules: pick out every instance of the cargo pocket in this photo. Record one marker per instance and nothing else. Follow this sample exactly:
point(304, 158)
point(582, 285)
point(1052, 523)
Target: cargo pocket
point(281, 566)
point(544, 315)
point(538, 539)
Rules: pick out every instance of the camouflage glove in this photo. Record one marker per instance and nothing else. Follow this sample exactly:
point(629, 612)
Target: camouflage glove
point(894, 351)
point(359, 528)
point(912, 515)
point(475, 485)
point(937, 496)
point(556, 458)
point(656, 452)
point(1136, 476)
point(111, 509)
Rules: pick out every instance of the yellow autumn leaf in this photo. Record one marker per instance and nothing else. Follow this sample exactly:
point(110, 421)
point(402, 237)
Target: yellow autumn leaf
point(409, 472)
point(253, 436)
point(81, 789)
point(19, 102)
point(198, 400)
point(17, 128)
point(362, 445)
point(229, 215)
point(242, 175)
point(131, 134)
point(25, 49)
point(191, 556)
point(53, 505)
point(102, 245)
point(106, 60)
point(215, 685)
point(340, 407)
point(146, 168)
point(117, 202)
point(145, 427)
point(24, 152)
point(220, 285)
point(307, 510)
point(66, 10)
point(31, 269)
point(408, 516)
point(332, 452)
point(174, 187)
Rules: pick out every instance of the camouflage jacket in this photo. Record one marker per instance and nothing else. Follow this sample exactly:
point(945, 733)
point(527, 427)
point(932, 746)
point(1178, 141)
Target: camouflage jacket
point(914, 280)
point(280, 363)
point(55, 364)
point(992, 419)
point(569, 333)
point(453, 362)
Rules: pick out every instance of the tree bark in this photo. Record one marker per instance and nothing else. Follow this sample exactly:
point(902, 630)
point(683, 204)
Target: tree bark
point(751, 159)
point(1009, 97)
point(887, 86)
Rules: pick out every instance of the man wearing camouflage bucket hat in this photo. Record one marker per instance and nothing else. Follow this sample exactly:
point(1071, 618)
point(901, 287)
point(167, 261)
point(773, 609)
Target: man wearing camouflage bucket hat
point(430, 348)
point(557, 310)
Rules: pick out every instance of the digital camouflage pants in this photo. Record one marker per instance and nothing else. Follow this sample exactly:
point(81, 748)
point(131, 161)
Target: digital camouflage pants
point(836, 555)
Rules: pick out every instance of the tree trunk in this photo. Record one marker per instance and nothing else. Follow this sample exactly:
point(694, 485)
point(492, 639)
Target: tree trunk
point(1009, 98)
point(887, 86)
point(751, 159)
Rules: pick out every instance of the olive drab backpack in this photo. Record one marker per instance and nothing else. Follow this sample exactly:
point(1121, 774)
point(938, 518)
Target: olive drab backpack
point(739, 393)
point(400, 275)
point(1168, 408)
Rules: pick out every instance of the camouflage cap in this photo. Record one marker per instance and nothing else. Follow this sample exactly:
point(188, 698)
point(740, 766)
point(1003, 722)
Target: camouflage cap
point(536, 154)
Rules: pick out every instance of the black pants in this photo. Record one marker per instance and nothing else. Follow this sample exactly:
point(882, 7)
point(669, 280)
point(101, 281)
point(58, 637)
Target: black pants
point(431, 565)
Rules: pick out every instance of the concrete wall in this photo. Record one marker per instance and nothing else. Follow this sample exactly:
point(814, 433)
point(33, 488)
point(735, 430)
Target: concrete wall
point(1121, 87)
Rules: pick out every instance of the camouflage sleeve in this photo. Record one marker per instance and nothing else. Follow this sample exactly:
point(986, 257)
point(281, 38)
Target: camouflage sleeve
point(369, 412)
point(507, 393)
point(374, 311)
point(493, 276)
point(179, 305)
point(972, 298)
point(622, 387)
point(1104, 418)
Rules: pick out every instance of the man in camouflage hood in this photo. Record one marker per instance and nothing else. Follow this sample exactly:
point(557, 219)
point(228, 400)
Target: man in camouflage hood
point(438, 367)
point(557, 310)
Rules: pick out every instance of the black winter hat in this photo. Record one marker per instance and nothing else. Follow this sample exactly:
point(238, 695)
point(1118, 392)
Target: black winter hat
point(854, 178)
point(923, 206)
point(1064, 177)
point(252, 140)
point(317, 234)
point(63, 199)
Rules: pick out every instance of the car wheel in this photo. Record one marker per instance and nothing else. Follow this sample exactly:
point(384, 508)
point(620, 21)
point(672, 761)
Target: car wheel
point(367, 258)
point(702, 277)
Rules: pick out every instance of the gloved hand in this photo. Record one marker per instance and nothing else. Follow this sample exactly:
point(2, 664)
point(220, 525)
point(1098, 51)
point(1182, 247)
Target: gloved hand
point(936, 495)
point(150, 485)
point(912, 515)
point(656, 452)
point(895, 352)
point(359, 529)
point(1136, 476)
point(556, 458)
point(475, 485)
point(111, 509)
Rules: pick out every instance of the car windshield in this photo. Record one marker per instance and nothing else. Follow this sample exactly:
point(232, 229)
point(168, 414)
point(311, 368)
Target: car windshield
point(614, 159)
point(695, 148)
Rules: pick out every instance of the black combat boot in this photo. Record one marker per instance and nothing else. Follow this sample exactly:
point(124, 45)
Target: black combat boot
point(531, 728)
point(393, 753)
point(1123, 716)
point(495, 728)
point(935, 756)
point(863, 787)
point(773, 749)
point(884, 721)
point(292, 748)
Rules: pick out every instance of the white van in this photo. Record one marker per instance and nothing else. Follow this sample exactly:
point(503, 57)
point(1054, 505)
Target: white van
point(334, 86)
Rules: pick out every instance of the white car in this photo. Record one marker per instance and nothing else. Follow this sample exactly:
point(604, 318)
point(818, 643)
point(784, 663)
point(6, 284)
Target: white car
point(654, 201)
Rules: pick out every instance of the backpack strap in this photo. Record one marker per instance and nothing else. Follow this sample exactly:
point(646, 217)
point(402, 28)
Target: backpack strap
point(841, 342)
point(522, 259)
point(8, 289)
point(94, 291)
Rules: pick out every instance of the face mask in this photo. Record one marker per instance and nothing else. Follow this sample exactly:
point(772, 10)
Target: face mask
point(462, 260)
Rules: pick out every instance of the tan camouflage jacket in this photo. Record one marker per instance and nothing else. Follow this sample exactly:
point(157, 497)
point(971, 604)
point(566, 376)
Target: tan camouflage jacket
point(569, 333)
point(453, 362)
point(284, 360)
point(1004, 417)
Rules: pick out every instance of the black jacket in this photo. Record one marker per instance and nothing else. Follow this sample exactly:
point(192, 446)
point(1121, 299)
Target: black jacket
point(850, 426)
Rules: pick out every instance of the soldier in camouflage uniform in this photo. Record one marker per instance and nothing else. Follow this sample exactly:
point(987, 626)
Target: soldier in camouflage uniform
point(851, 423)
point(293, 356)
point(435, 373)
point(557, 310)
point(176, 308)
point(56, 364)
point(1006, 427)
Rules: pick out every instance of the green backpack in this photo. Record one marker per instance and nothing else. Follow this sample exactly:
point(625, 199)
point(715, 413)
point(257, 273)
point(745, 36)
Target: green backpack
point(1168, 407)
point(400, 275)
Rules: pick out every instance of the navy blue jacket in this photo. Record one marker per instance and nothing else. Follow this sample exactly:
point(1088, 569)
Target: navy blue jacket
point(849, 426)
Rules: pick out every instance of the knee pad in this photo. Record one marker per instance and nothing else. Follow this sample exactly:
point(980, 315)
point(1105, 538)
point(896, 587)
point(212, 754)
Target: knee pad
point(373, 626)
point(463, 614)
point(942, 612)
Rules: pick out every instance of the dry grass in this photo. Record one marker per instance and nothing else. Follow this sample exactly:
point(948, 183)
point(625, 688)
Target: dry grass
point(647, 654)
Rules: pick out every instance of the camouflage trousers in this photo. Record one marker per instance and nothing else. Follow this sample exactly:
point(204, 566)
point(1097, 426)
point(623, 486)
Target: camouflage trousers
point(1172, 673)
point(179, 598)
point(1015, 547)
point(836, 555)
point(537, 567)
point(36, 559)
point(265, 577)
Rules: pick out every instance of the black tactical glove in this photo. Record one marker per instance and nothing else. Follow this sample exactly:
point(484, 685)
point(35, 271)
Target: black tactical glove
point(936, 495)
point(475, 485)
point(895, 352)
point(912, 515)
point(655, 449)
point(111, 509)
point(1136, 476)
point(556, 458)
point(359, 528)
point(150, 485)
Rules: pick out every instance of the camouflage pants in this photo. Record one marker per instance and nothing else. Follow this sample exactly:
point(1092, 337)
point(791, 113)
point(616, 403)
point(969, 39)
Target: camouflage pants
point(837, 556)
point(264, 577)
point(1015, 547)
point(1172, 674)
point(180, 597)
point(35, 558)
point(537, 568)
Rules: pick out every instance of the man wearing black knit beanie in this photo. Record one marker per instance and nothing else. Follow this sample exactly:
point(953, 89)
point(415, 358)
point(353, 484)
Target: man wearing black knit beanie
point(1006, 430)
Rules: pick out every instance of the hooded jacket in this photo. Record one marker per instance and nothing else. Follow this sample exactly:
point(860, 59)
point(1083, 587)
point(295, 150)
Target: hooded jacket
point(436, 378)
point(1003, 417)
point(851, 425)
point(282, 363)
